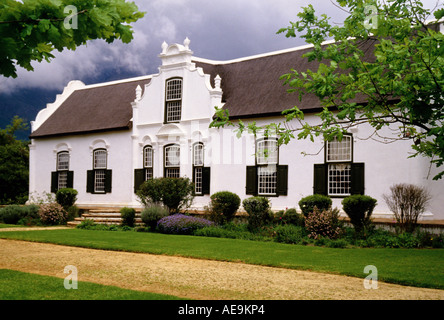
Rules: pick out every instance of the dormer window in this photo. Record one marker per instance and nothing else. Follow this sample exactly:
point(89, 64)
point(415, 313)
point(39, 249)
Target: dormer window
point(173, 100)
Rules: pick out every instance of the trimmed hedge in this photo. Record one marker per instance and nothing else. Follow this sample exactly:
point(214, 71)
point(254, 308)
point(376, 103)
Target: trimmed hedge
point(182, 224)
point(319, 201)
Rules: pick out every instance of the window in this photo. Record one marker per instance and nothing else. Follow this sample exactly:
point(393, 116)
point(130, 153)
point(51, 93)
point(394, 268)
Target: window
point(339, 176)
point(339, 157)
point(148, 162)
point(62, 178)
point(172, 161)
point(267, 178)
point(142, 175)
point(99, 179)
point(173, 100)
point(198, 167)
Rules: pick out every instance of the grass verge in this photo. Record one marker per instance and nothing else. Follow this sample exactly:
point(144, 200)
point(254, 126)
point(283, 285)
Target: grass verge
point(16, 285)
point(415, 267)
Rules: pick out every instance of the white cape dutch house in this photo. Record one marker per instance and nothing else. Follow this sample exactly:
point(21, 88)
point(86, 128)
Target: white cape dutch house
point(104, 140)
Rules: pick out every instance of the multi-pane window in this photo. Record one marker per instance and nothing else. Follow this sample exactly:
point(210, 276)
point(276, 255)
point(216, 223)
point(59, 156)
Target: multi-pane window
point(100, 165)
point(62, 169)
point(173, 100)
point(172, 161)
point(148, 162)
point(198, 162)
point(339, 160)
point(267, 177)
point(267, 155)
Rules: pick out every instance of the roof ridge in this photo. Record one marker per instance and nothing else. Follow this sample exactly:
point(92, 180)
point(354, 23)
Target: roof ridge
point(114, 82)
point(257, 56)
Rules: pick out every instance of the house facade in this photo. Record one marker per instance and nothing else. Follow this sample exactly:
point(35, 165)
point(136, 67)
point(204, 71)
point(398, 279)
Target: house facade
point(104, 140)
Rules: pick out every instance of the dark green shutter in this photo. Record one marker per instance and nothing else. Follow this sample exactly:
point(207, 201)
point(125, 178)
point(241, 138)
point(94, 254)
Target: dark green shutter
point(357, 178)
point(90, 181)
point(282, 180)
point(320, 179)
point(108, 181)
point(251, 184)
point(54, 181)
point(206, 174)
point(70, 182)
point(139, 178)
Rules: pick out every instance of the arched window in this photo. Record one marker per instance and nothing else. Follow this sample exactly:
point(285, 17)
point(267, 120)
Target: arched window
point(198, 162)
point(99, 178)
point(172, 161)
point(62, 177)
point(148, 162)
point(173, 100)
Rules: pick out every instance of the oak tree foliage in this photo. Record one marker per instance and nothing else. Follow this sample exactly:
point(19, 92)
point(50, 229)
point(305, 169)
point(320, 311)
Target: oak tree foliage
point(30, 30)
point(401, 80)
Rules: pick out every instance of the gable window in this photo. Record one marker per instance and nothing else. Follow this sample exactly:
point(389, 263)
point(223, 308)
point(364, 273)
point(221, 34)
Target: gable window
point(99, 179)
point(267, 177)
point(339, 176)
point(62, 178)
point(172, 161)
point(201, 174)
point(173, 100)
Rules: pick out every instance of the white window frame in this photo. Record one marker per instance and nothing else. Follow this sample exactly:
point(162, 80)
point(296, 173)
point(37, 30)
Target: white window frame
point(339, 157)
point(198, 163)
point(148, 153)
point(100, 166)
point(62, 169)
point(267, 159)
point(173, 100)
point(172, 169)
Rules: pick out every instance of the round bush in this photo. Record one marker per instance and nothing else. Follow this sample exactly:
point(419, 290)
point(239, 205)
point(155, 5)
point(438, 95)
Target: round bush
point(319, 201)
point(182, 224)
point(224, 205)
point(151, 215)
point(52, 214)
point(258, 209)
point(323, 224)
point(359, 209)
point(66, 197)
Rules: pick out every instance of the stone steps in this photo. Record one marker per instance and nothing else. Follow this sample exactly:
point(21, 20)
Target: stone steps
point(108, 216)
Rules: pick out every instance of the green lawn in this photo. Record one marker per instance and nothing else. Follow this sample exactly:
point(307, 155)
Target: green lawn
point(15, 285)
point(416, 267)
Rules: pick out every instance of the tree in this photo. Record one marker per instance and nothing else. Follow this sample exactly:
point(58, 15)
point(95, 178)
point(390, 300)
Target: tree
point(385, 67)
point(31, 29)
point(14, 168)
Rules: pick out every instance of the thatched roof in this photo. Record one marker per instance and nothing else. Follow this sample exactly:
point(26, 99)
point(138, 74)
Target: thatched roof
point(94, 109)
point(251, 88)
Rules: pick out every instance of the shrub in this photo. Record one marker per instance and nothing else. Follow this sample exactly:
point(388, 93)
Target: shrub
point(128, 216)
point(182, 224)
point(259, 213)
point(73, 212)
point(30, 215)
point(289, 216)
point(175, 193)
point(52, 214)
point(223, 207)
point(87, 224)
point(407, 202)
point(152, 214)
point(359, 209)
point(289, 234)
point(319, 201)
point(66, 197)
point(323, 223)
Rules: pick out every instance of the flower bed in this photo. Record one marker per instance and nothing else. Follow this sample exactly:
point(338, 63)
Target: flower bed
point(182, 224)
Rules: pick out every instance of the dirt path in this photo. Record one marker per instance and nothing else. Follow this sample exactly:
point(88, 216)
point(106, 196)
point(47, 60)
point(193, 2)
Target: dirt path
point(195, 278)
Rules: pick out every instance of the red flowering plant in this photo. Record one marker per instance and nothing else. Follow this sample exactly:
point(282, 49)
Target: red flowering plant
point(323, 223)
point(52, 214)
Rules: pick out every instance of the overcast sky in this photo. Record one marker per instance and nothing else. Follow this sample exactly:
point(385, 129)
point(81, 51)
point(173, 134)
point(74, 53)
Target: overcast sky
point(218, 29)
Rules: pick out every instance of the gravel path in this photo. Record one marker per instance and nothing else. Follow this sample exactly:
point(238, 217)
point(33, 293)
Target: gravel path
point(195, 278)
